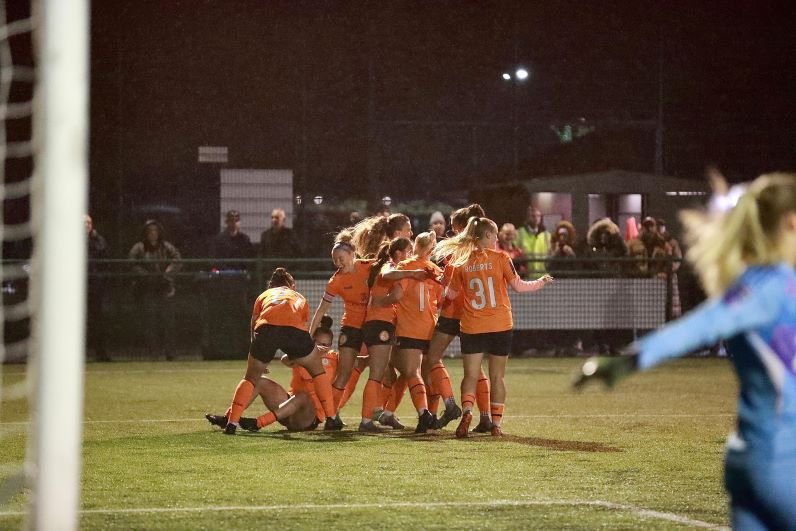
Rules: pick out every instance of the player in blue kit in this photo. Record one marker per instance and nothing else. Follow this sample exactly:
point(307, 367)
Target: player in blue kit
point(745, 259)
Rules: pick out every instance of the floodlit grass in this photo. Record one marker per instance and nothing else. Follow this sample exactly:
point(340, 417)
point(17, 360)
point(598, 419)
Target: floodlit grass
point(647, 455)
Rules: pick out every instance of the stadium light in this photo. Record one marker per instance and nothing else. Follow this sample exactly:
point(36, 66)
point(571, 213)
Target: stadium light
point(386, 200)
point(318, 199)
point(520, 75)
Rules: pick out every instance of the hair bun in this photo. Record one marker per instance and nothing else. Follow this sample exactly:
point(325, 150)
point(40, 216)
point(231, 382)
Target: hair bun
point(327, 321)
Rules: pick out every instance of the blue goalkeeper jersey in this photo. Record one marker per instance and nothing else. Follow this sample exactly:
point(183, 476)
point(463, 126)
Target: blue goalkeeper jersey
point(757, 318)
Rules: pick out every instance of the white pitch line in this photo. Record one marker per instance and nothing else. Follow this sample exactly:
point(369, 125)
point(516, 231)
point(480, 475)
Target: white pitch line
point(587, 416)
point(639, 511)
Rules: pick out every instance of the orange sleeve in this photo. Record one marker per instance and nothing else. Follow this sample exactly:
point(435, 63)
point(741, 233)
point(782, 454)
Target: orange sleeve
point(509, 271)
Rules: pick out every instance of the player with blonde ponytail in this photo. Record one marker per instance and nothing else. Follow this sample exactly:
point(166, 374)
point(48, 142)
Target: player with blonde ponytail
point(483, 273)
point(745, 259)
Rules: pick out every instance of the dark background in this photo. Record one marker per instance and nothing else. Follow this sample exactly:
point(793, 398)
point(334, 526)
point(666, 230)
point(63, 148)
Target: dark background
point(364, 99)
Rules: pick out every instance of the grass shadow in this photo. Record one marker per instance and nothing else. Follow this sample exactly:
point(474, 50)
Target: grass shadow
point(550, 444)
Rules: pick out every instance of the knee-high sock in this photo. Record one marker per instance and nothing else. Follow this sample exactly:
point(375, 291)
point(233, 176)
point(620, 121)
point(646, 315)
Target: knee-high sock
point(417, 390)
point(482, 393)
point(441, 381)
point(265, 420)
point(240, 400)
point(433, 399)
point(398, 390)
point(386, 393)
point(350, 387)
point(337, 396)
point(497, 413)
point(468, 399)
point(370, 398)
point(323, 388)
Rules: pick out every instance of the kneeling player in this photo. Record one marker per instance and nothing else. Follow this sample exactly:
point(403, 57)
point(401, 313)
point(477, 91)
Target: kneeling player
point(279, 322)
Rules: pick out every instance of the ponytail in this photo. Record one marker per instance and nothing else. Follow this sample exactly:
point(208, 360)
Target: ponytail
point(459, 248)
point(723, 246)
point(381, 258)
point(386, 252)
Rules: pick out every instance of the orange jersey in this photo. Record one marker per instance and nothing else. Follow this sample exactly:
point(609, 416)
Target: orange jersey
point(282, 307)
point(417, 307)
point(353, 289)
point(301, 381)
point(381, 288)
point(484, 280)
point(452, 309)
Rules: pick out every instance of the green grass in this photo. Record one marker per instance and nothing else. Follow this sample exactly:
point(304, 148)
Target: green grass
point(596, 459)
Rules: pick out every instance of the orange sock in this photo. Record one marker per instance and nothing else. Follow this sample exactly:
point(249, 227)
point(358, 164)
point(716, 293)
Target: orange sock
point(229, 411)
point(370, 398)
point(497, 413)
point(468, 399)
point(323, 388)
point(417, 390)
point(398, 390)
point(265, 420)
point(433, 401)
point(482, 393)
point(386, 393)
point(441, 381)
point(337, 395)
point(350, 387)
point(241, 400)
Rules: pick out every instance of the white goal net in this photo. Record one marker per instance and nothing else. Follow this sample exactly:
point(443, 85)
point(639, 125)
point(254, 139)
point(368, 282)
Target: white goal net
point(43, 149)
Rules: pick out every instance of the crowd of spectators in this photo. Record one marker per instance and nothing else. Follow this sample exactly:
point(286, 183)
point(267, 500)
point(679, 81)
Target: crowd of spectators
point(647, 250)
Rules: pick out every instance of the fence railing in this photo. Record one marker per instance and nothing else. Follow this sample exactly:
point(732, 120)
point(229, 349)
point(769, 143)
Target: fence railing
point(203, 308)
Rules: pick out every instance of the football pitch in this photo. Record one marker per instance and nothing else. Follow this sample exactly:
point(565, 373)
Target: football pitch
point(646, 455)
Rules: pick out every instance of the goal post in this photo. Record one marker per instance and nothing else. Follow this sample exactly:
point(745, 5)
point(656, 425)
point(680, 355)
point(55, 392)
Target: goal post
point(58, 283)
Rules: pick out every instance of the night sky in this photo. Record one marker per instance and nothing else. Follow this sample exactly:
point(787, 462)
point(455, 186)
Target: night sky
point(406, 99)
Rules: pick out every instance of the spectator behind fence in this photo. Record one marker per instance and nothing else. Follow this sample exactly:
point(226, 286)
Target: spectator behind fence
point(225, 302)
point(650, 250)
point(563, 243)
point(631, 229)
point(95, 325)
point(506, 238)
point(436, 224)
point(231, 243)
point(156, 261)
point(676, 255)
point(279, 241)
point(605, 241)
point(534, 240)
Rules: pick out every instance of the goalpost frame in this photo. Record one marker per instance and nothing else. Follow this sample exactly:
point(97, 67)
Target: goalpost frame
point(59, 200)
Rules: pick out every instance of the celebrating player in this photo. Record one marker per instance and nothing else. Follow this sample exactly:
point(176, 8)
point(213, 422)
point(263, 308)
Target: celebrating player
point(448, 326)
point(299, 408)
point(482, 274)
point(279, 322)
point(417, 303)
point(379, 328)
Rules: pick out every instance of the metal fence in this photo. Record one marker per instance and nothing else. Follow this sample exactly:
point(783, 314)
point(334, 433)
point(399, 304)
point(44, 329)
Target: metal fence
point(593, 304)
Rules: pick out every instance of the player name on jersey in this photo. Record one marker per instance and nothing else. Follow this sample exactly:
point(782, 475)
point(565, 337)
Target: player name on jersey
point(478, 267)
